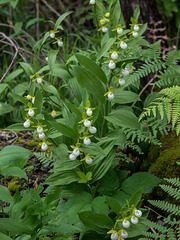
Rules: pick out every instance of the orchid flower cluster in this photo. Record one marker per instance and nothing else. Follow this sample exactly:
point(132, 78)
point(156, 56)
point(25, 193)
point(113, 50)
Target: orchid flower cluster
point(122, 234)
point(57, 41)
point(85, 135)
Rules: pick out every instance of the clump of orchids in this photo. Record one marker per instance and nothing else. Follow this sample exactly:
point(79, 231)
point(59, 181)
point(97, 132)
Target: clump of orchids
point(87, 130)
point(118, 232)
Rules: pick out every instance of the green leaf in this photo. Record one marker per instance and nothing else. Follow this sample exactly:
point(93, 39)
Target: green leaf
point(139, 180)
point(3, 86)
point(123, 118)
point(18, 127)
point(13, 171)
point(109, 183)
point(105, 48)
point(5, 108)
point(65, 130)
point(4, 237)
point(38, 102)
point(136, 13)
point(45, 38)
point(14, 227)
point(32, 21)
point(123, 97)
point(5, 194)
point(89, 235)
point(136, 198)
point(51, 89)
point(92, 66)
point(27, 68)
point(19, 98)
point(99, 205)
point(60, 71)
point(60, 19)
point(97, 222)
point(52, 54)
point(63, 178)
point(88, 80)
point(118, 15)
point(113, 204)
point(13, 156)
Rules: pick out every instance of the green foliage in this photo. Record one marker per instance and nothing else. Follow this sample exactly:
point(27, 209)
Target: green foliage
point(169, 228)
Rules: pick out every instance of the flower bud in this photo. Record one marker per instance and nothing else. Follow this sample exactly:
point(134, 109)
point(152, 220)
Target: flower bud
point(60, 43)
point(110, 96)
point(33, 100)
point(40, 129)
point(41, 135)
point(138, 213)
point(114, 55)
point(134, 220)
point(112, 65)
point(53, 113)
point(72, 156)
point(39, 80)
point(44, 146)
point(126, 224)
point(92, 2)
point(31, 112)
point(87, 141)
point(28, 97)
point(125, 72)
point(119, 30)
point(123, 45)
point(89, 112)
point(89, 160)
point(87, 123)
point(76, 152)
point(122, 82)
point(92, 129)
point(104, 29)
point(135, 34)
point(27, 123)
point(136, 28)
point(52, 35)
point(114, 236)
point(124, 234)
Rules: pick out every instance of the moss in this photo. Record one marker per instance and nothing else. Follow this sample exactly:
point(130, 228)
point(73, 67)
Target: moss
point(19, 141)
point(13, 185)
point(32, 143)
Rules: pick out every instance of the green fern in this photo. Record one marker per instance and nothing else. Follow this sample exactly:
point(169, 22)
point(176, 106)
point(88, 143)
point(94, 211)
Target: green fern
point(46, 159)
point(167, 105)
point(169, 227)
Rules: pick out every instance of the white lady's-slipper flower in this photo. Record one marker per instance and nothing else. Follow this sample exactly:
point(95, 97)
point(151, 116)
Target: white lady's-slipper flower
point(39, 80)
point(33, 100)
point(28, 97)
point(114, 236)
point(104, 29)
point(52, 35)
point(110, 96)
point(125, 72)
point(112, 64)
point(27, 123)
point(124, 234)
point(89, 112)
point(41, 135)
point(72, 156)
point(53, 113)
point(76, 152)
point(119, 30)
point(134, 220)
point(92, 129)
point(60, 43)
point(89, 160)
point(39, 129)
point(126, 224)
point(87, 141)
point(122, 82)
point(44, 146)
point(123, 45)
point(114, 55)
point(135, 34)
point(87, 123)
point(136, 28)
point(31, 112)
point(138, 213)
point(92, 2)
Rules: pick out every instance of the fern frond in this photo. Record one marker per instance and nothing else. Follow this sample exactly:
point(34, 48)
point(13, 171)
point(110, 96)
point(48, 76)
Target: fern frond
point(46, 159)
point(174, 181)
point(165, 206)
point(174, 192)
